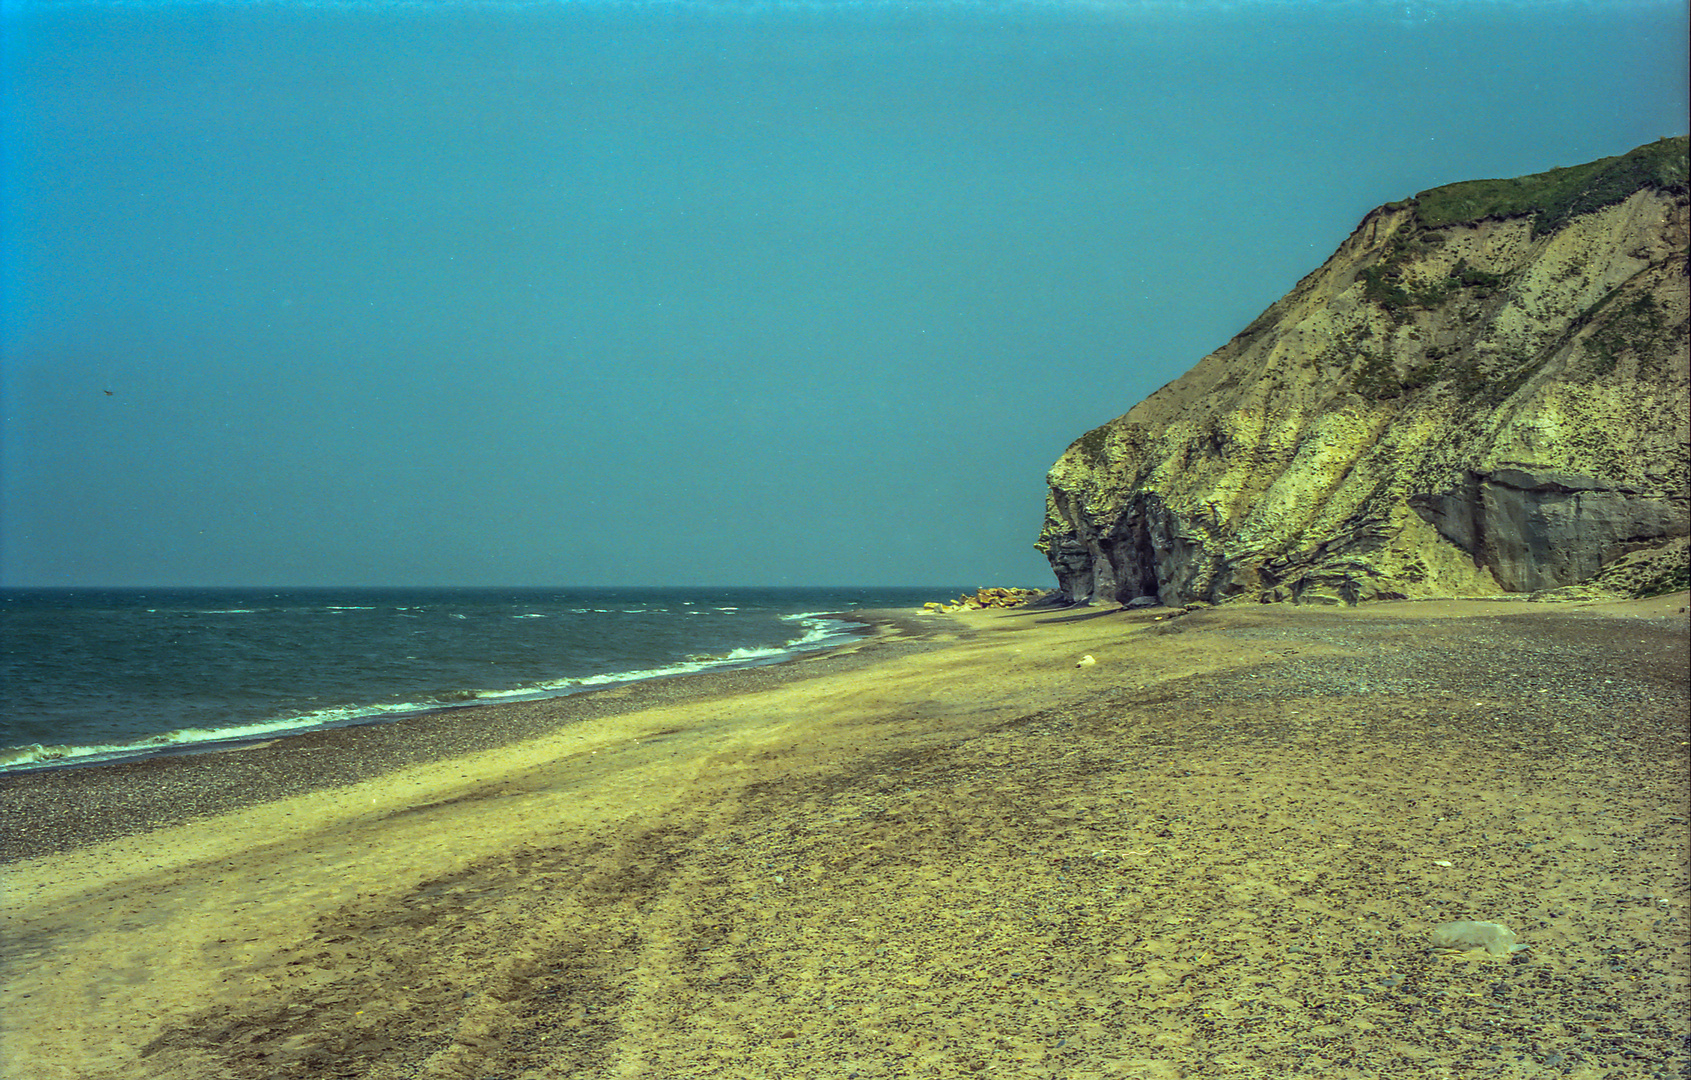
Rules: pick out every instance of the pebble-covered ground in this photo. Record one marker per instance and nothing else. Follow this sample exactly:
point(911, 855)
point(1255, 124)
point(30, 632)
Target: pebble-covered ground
point(1219, 852)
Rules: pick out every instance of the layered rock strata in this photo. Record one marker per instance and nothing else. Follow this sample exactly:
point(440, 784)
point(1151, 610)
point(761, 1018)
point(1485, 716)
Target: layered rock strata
point(1483, 391)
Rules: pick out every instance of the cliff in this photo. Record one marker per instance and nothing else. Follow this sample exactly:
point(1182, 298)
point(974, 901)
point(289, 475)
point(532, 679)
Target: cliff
point(1483, 391)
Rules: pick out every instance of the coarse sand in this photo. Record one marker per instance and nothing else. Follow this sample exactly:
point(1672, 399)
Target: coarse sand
point(1218, 851)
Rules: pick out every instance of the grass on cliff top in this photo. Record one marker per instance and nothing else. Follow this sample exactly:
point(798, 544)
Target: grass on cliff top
point(1555, 196)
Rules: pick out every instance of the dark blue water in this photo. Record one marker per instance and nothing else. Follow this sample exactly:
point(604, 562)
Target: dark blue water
point(91, 675)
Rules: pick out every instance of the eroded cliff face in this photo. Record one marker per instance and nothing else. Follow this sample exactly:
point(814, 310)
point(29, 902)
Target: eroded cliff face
point(1445, 407)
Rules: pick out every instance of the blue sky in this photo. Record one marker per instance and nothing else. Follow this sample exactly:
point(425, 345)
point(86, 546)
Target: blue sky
point(687, 293)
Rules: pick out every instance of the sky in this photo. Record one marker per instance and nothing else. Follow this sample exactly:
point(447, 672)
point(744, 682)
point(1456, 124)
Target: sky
point(587, 293)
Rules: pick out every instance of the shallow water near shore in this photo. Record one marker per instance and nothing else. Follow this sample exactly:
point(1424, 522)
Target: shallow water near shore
point(100, 675)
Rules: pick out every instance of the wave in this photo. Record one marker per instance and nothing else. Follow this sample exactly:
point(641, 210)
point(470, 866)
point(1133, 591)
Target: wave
point(17, 758)
point(819, 631)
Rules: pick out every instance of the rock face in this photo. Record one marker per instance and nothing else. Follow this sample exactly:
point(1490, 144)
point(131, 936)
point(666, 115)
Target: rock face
point(1484, 390)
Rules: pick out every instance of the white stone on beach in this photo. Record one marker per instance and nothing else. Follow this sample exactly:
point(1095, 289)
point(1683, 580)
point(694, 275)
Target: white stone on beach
point(1495, 938)
point(1086, 661)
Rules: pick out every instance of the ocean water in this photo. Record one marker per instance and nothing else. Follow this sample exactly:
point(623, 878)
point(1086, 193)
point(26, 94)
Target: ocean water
point(91, 676)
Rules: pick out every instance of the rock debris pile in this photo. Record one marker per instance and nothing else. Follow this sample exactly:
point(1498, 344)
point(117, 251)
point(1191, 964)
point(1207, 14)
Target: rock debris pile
point(988, 598)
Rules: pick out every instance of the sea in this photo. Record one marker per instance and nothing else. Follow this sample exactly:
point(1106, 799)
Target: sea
point(92, 676)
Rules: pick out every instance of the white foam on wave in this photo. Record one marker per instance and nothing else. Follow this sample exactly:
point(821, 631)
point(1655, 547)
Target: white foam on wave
point(822, 634)
point(824, 629)
point(38, 755)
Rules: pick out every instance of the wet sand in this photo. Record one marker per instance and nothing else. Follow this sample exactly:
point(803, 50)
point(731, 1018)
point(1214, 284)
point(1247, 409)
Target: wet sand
point(1217, 851)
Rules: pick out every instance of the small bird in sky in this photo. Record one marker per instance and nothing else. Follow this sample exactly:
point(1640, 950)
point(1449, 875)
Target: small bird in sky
point(108, 393)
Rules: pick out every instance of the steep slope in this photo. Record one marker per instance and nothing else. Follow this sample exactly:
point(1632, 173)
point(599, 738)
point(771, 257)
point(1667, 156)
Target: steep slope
point(1484, 390)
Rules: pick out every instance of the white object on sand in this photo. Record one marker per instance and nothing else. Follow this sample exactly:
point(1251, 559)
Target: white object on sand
point(1086, 661)
point(1495, 938)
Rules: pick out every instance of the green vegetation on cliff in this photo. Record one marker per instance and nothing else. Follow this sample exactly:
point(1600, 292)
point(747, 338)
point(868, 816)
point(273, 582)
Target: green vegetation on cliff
point(1555, 196)
point(1382, 282)
point(1092, 444)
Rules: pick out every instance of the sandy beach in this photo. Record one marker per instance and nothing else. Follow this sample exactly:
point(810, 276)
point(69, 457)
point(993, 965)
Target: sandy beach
point(952, 850)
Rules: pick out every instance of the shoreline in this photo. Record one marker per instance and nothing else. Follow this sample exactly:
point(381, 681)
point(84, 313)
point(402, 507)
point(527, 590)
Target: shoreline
point(1220, 848)
point(242, 734)
point(173, 785)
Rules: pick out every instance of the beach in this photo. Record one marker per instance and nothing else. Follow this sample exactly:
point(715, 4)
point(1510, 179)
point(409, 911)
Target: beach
point(952, 849)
